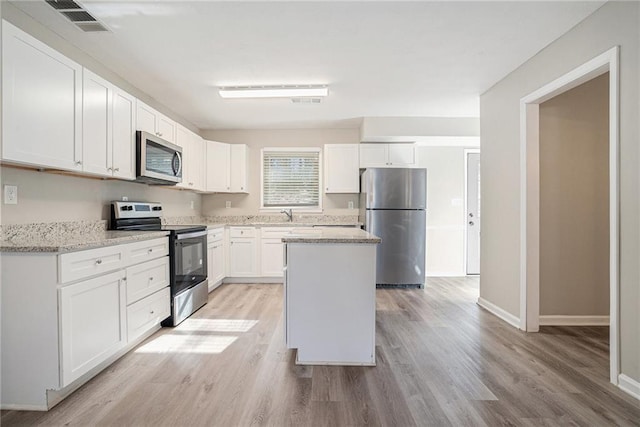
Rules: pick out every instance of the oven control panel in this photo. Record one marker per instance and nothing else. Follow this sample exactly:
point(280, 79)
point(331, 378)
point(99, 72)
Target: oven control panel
point(136, 210)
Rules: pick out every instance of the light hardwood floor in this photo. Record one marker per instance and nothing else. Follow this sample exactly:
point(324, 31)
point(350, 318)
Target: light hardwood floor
point(441, 360)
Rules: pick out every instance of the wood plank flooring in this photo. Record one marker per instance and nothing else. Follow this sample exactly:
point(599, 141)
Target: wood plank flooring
point(441, 361)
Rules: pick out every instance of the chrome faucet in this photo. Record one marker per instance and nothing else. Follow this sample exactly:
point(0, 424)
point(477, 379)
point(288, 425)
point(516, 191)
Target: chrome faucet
point(288, 213)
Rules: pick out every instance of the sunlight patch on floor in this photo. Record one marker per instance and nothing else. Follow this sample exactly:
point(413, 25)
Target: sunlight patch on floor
point(217, 325)
point(199, 344)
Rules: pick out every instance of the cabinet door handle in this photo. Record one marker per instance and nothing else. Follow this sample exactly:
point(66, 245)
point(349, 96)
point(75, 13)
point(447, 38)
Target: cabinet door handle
point(98, 261)
point(78, 163)
point(152, 312)
point(110, 169)
point(150, 250)
point(116, 169)
point(151, 279)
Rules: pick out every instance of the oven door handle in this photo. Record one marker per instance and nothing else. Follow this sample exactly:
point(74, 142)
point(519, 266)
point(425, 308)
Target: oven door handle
point(191, 235)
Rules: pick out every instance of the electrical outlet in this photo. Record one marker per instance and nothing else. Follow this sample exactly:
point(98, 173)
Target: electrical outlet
point(10, 194)
point(227, 204)
point(350, 204)
point(125, 199)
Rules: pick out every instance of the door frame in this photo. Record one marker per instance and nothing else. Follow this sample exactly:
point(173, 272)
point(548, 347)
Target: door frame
point(530, 195)
point(467, 151)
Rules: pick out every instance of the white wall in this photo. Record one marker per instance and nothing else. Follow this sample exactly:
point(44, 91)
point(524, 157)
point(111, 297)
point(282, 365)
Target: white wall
point(616, 23)
point(445, 209)
point(249, 204)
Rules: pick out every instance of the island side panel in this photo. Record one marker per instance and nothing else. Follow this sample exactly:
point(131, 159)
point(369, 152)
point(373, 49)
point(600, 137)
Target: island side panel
point(331, 302)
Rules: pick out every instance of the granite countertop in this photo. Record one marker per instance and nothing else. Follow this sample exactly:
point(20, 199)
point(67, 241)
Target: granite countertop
point(74, 242)
point(331, 235)
point(285, 224)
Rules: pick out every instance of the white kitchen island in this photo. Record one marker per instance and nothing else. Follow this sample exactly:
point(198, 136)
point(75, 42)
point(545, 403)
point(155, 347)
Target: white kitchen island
point(330, 296)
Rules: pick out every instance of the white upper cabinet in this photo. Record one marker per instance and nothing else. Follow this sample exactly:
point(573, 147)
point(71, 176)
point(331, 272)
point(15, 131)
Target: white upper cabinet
point(238, 168)
point(107, 129)
point(218, 163)
point(226, 167)
point(152, 121)
point(341, 168)
point(402, 155)
point(41, 103)
point(378, 155)
point(192, 159)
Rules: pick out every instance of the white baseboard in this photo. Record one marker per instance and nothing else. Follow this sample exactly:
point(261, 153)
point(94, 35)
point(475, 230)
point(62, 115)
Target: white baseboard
point(499, 312)
point(629, 385)
point(445, 274)
point(252, 280)
point(554, 320)
point(13, 407)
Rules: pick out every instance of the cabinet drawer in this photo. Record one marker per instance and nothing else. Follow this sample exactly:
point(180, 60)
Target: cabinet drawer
point(147, 278)
point(147, 250)
point(83, 264)
point(275, 232)
point(146, 313)
point(242, 232)
point(215, 235)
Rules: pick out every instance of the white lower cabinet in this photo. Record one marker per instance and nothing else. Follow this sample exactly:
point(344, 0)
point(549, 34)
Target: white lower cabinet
point(243, 252)
point(271, 248)
point(65, 317)
point(216, 257)
point(92, 326)
point(147, 313)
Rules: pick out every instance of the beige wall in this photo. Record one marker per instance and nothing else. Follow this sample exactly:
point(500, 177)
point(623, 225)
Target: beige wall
point(574, 201)
point(445, 209)
point(50, 197)
point(616, 23)
point(249, 204)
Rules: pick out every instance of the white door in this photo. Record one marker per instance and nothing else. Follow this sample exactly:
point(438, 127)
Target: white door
point(124, 143)
point(272, 263)
point(341, 168)
point(402, 155)
point(238, 170)
point(218, 157)
point(92, 323)
point(373, 155)
point(41, 103)
point(146, 118)
point(96, 121)
point(242, 258)
point(473, 213)
point(166, 128)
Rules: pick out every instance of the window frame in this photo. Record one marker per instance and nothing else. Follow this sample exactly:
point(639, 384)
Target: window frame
point(271, 209)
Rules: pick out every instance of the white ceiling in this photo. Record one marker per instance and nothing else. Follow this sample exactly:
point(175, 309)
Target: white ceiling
point(420, 58)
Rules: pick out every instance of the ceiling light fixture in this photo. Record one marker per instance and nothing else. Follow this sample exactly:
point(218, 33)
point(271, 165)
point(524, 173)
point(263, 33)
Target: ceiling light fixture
point(286, 91)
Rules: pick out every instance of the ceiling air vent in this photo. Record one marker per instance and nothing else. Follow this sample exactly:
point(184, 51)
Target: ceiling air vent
point(75, 13)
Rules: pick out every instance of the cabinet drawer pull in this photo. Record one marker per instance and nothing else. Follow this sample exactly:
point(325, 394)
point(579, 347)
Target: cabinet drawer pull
point(151, 279)
point(150, 250)
point(116, 170)
point(78, 163)
point(98, 261)
point(152, 311)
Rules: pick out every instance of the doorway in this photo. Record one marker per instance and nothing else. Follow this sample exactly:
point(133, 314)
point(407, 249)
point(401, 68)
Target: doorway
point(530, 195)
point(472, 211)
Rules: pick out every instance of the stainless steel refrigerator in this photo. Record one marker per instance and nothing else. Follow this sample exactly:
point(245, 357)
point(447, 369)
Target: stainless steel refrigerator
point(393, 205)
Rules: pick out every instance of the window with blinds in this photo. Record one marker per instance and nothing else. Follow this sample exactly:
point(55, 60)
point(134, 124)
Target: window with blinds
point(290, 178)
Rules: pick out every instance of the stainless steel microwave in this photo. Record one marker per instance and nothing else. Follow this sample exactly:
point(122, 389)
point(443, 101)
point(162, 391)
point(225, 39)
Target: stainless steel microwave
point(158, 161)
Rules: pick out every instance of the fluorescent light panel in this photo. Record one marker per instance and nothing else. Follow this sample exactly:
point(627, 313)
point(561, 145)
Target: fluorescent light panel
point(292, 91)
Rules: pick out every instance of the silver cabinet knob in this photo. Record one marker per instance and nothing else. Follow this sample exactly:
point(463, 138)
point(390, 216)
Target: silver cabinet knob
point(471, 223)
point(116, 169)
point(78, 163)
point(150, 250)
point(98, 261)
point(470, 215)
point(151, 279)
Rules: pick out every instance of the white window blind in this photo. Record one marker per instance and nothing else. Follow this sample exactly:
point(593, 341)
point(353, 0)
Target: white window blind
point(290, 178)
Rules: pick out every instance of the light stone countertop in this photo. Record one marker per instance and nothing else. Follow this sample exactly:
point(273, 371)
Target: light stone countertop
point(75, 242)
point(331, 235)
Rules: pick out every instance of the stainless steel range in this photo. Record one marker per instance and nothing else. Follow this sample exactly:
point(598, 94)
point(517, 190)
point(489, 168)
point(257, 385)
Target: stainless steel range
point(187, 253)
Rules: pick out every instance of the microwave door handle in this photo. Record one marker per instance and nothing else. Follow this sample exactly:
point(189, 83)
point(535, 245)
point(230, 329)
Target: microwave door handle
point(177, 172)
